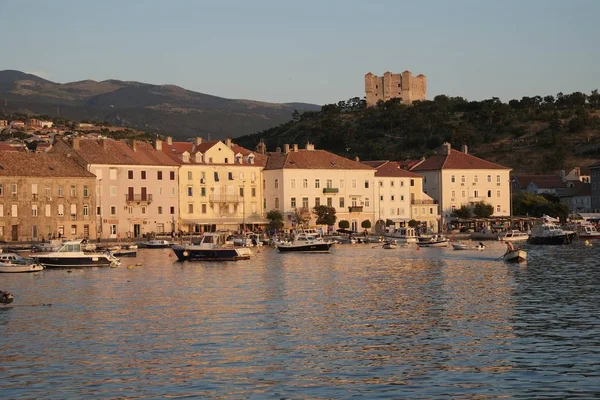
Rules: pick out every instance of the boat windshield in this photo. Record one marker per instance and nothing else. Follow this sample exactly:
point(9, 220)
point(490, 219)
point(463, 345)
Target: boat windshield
point(68, 248)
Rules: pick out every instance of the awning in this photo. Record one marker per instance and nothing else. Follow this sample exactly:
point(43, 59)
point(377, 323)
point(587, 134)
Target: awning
point(588, 216)
point(224, 221)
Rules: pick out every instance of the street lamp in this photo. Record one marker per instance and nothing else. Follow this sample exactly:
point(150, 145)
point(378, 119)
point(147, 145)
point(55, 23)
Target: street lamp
point(243, 195)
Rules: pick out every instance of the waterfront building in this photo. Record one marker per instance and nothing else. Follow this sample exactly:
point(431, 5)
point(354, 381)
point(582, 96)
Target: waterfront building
point(400, 198)
point(44, 196)
point(595, 186)
point(136, 185)
point(220, 185)
point(296, 179)
point(455, 178)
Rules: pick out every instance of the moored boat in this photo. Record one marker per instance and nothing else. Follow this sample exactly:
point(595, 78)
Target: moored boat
point(390, 245)
point(433, 241)
point(126, 251)
point(306, 243)
point(404, 235)
point(513, 236)
point(72, 255)
point(515, 256)
point(549, 233)
point(12, 262)
point(211, 248)
point(585, 231)
point(156, 244)
point(465, 246)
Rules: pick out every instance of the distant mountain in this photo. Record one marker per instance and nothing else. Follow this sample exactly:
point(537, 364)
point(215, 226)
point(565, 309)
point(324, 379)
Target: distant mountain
point(165, 109)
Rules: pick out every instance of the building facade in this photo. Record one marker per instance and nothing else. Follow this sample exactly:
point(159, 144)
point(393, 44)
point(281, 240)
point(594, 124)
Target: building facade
point(456, 178)
point(395, 86)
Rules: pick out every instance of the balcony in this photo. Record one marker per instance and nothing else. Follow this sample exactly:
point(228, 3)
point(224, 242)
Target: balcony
point(138, 198)
point(223, 198)
point(330, 190)
point(424, 202)
point(355, 209)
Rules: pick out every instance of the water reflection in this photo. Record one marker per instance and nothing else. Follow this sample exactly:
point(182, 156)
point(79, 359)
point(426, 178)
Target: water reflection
point(401, 323)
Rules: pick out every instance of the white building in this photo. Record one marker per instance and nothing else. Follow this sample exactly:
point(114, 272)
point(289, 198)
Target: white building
point(456, 178)
point(305, 178)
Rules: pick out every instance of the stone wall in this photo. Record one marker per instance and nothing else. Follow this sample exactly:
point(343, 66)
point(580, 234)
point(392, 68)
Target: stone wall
point(390, 86)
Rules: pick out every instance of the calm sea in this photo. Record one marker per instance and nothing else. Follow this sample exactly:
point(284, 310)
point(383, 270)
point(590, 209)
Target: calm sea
point(361, 322)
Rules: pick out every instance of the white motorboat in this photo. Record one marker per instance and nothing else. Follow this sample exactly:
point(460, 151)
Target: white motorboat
point(12, 262)
point(72, 255)
point(212, 247)
point(513, 236)
point(515, 256)
point(585, 230)
point(549, 233)
point(465, 246)
point(433, 241)
point(156, 244)
point(404, 235)
point(306, 243)
point(248, 240)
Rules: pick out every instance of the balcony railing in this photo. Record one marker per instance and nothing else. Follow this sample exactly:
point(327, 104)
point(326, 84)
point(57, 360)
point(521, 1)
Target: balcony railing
point(223, 198)
point(355, 209)
point(138, 198)
point(423, 202)
point(330, 190)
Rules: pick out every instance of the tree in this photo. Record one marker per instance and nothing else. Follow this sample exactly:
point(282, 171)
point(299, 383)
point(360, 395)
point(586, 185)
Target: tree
point(463, 212)
point(301, 216)
point(366, 224)
point(343, 224)
point(275, 219)
point(483, 210)
point(389, 222)
point(413, 223)
point(325, 215)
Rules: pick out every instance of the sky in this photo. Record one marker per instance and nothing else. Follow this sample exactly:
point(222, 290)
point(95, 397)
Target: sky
point(310, 51)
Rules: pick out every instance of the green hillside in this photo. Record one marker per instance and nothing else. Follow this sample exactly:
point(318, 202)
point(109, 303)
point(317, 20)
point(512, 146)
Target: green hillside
point(534, 134)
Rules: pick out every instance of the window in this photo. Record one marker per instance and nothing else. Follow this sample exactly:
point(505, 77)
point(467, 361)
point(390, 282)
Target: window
point(329, 184)
point(159, 190)
point(130, 210)
point(226, 160)
point(497, 193)
point(34, 189)
point(342, 183)
point(113, 174)
point(14, 210)
point(317, 201)
point(293, 203)
point(113, 210)
point(305, 183)
point(172, 210)
point(34, 210)
point(392, 198)
point(216, 176)
point(159, 210)
point(353, 183)
point(190, 191)
point(113, 191)
point(264, 184)
point(143, 173)
point(241, 176)
point(203, 208)
point(489, 193)
point(47, 211)
point(293, 184)
point(276, 202)
point(253, 190)
point(99, 210)
point(329, 202)
point(86, 191)
point(475, 193)
point(13, 189)
point(230, 176)
point(366, 184)
point(412, 182)
point(489, 179)
point(276, 183)
point(159, 175)
point(476, 179)
point(381, 198)
point(498, 179)
point(86, 210)
point(401, 197)
point(1, 189)
point(203, 191)
point(253, 176)
point(241, 192)
point(73, 191)
point(172, 175)
point(342, 205)
point(130, 174)
point(190, 208)
point(430, 210)
point(453, 208)
point(401, 183)
point(464, 193)
point(47, 189)
point(453, 195)
point(453, 179)
point(190, 175)
point(463, 179)
point(61, 210)
point(367, 202)
point(498, 208)
point(380, 183)
point(392, 183)
point(173, 191)
point(317, 183)
point(73, 209)
point(305, 202)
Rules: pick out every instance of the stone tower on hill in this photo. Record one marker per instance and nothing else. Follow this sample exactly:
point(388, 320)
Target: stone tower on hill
point(390, 86)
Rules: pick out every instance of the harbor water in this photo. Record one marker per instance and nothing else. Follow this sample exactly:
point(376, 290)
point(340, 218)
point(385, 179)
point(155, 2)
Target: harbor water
point(360, 322)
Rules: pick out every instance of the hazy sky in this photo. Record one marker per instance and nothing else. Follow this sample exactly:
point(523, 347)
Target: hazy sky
point(310, 51)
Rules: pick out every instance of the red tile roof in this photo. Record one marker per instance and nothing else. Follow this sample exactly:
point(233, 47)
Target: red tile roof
point(392, 169)
point(175, 150)
point(7, 147)
point(109, 151)
point(312, 159)
point(456, 160)
point(541, 181)
point(17, 163)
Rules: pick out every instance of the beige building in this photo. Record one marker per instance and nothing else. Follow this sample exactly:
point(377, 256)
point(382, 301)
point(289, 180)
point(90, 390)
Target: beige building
point(136, 185)
point(400, 198)
point(456, 178)
point(304, 178)
point(391, 86)
point(220, 185)
point(44, 196)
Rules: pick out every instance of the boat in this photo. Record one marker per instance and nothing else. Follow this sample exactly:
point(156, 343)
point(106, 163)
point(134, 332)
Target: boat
point(12, 262)
point(484, 234)
point(549, 233)
point(156, 244)
point(515, 256)
point(126, 251)
point(6, 297)
point(72, 255)
point(390, 245)
point(432, 241)
point(404, 235)
point(513, 236)
point(306, 243)
point(464, 246)
point(248, 240)
point(585, 230)
point(211, 248)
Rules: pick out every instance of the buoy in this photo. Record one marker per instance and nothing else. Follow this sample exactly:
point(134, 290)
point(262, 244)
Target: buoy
point(130, 267)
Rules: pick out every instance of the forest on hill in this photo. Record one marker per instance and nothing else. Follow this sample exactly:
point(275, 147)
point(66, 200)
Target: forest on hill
point(535, 134)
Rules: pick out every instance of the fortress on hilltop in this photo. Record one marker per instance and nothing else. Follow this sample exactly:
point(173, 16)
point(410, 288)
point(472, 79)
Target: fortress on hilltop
point(390, 86)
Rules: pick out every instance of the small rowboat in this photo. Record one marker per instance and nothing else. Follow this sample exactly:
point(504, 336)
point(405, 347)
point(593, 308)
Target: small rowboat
point(9, 267)
point(390, 245)
point(515, 256)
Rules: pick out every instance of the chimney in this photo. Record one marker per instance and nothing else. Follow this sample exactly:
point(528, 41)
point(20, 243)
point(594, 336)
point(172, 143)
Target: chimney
point(76, 143)
point(464, 149)
point(104, 143)
point(277, 149)
point(286, 148)
point(310, 146)
point(261, 147)
point(356, 159)
point(158, 145)
point(295, 147)
point(446, 148)
point(133, 145)
point(198, 141)
point(228, 143)
point(169, 140)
